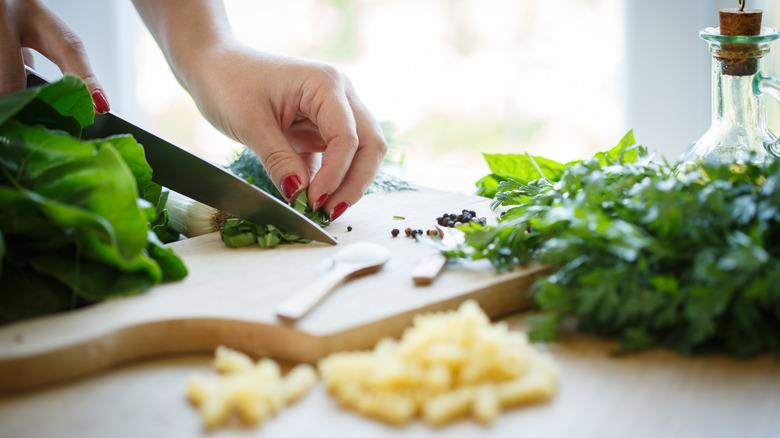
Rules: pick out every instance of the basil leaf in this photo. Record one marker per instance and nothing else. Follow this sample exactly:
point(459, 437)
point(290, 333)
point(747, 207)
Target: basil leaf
point(68, 96)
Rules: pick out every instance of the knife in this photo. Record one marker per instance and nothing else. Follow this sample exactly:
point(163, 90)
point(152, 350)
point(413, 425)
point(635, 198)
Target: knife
point(194, 177)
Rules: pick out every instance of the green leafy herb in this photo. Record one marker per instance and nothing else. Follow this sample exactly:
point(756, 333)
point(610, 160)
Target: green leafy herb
point(301, 204)
point(387, 182)
point(687, 261)
point(524, 168)
point(74, 215)
point(245, 164)
point(237, 233)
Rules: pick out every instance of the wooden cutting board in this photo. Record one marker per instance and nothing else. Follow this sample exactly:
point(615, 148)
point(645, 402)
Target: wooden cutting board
point(230, 295)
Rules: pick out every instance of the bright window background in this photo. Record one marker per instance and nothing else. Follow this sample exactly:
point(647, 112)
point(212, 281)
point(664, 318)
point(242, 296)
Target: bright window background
point(454, 78)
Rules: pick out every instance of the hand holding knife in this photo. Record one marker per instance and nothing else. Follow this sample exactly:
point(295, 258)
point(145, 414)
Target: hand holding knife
point(192, 176)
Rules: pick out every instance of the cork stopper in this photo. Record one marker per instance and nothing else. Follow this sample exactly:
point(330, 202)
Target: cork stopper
point(735, 21)
point(739, 59)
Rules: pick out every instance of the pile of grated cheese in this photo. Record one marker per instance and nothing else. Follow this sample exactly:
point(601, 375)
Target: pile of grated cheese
point(446, 366)
point(253, 391)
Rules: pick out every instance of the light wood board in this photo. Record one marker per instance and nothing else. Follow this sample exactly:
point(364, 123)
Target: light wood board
point(230, 295)
point(647, 395)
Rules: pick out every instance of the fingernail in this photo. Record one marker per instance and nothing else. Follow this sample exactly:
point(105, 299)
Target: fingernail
point(290, 185)
point(338, 210)
point(320, 202)
point(100, 102)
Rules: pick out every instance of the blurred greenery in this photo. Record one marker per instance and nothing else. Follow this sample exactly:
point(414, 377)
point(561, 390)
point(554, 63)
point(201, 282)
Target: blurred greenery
point(395, 146)
point(343, 45)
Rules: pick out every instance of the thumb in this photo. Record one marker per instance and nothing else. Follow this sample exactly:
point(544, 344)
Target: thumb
point(284, 166)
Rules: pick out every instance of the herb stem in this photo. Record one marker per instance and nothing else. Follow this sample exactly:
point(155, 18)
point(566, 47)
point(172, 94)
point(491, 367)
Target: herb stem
point(536, 166)
point(11, 179)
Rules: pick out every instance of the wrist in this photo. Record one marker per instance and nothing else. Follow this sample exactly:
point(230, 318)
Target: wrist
point(189, 32)
point(190, 61)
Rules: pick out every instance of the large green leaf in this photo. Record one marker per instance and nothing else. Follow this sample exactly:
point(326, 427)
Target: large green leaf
point(89, 176)
point(74, 215)
point(91, 279)
point(133, 155)
point(11, 104)
point(69, 96)
point(96, 237)
point(25, 294)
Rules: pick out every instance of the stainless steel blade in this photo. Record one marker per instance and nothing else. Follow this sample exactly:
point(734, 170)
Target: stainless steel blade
point(194, 177)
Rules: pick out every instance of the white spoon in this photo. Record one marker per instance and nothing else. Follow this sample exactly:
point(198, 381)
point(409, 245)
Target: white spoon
point(349, 262)
point(427, 269)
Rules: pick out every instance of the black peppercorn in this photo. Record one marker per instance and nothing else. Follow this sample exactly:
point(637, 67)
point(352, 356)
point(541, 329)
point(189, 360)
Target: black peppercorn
point(349, 227)
point(395, 232)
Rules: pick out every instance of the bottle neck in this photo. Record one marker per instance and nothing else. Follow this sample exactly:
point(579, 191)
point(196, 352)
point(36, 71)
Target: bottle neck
point(734, 103)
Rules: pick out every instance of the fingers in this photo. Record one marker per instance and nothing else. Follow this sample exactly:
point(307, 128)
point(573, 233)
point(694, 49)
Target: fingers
point(363, 167)
point(332, 114)
point(55, 40)
point(12, 76)
point(288, 170)
point(30, 24)
point(354, 152)
point(354, 145)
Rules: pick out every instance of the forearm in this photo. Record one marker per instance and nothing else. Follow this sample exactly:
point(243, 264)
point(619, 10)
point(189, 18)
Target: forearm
point(186, 30)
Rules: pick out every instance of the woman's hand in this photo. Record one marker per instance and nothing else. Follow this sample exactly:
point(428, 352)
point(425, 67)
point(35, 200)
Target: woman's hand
point(28, 24)
point(302, 119)
point(290, 112)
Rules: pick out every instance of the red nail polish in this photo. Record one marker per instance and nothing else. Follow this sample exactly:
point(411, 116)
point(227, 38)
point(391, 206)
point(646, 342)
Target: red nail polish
point(320, 202)
point(338, 210)
point(290, 185)
point(100, 102)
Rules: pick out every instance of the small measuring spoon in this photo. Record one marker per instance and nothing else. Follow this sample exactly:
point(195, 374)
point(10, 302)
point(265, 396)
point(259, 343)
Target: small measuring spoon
point(349, 262)
point(430, 267)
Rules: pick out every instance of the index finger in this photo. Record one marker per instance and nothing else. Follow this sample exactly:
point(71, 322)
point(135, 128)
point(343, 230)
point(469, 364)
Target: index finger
point(365, 163)
point(330, 110)
point(12, 75)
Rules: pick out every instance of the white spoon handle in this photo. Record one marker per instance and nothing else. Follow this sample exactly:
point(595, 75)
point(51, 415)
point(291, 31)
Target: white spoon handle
point(298, 305)
point(428, 269)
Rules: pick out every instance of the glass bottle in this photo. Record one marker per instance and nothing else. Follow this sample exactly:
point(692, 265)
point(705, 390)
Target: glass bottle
point(738, 133)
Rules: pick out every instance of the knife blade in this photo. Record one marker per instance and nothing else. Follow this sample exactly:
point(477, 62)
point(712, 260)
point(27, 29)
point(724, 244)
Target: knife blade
point(197, 178)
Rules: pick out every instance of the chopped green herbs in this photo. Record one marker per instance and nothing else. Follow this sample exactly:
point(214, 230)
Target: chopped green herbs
point(237, 233)
point(301, 204)
point(77, 218)
point(687, 261)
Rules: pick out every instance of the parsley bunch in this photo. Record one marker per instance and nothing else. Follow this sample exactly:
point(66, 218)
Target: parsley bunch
point(652, 257)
